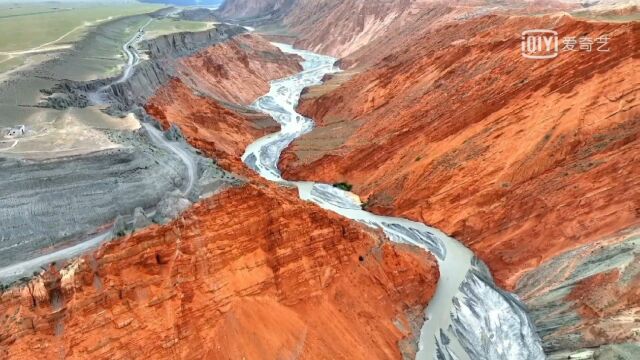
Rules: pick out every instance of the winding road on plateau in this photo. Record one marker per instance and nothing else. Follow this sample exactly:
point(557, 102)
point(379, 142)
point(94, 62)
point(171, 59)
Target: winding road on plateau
point(26, 268)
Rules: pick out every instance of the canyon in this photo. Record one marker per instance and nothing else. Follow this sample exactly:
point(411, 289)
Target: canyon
point(485, 206)
point(528, 163)
point(510, 159)
point(247, 257)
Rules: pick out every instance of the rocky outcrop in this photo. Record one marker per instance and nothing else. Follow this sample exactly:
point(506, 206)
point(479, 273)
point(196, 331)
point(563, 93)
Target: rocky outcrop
point(252, 272)
point(234, 73)
point(588, 298)
point(220, 63)
point(487, 145)
point(198, 14)
point(218, 131)
point(181, 44)
point(237, 71)
point(365, 31)
point(332, 28)
point(56, 203)
point(247, 9)
point(46, 204)
point(148, 76)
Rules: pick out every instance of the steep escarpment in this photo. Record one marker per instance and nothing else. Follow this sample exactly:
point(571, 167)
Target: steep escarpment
point(224, 63)
point(252, 272)
point(330, 27)
point(218, 131)
point(243, 9)
point(588, 297)
point(51, 204)
point(524, 161)
point(234, 73)
point(237, 71)
point(121, 96)
point(466, 134)
point(362, 32)
point(47, 202)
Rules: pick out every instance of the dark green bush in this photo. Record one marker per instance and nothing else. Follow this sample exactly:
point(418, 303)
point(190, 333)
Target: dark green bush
point(343, 186)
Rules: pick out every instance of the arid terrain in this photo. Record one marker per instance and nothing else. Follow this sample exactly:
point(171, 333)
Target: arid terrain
point(141, 218)
point(525, 162)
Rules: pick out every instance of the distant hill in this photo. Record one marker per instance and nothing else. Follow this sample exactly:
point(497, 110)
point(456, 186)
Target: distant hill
point(186, 2)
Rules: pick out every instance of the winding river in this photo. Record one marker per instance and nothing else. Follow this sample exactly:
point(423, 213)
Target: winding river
point(469, 317)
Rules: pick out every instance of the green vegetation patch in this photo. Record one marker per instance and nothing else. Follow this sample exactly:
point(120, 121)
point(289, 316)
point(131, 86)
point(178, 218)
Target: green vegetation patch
point(343, 186)
point(28, 26)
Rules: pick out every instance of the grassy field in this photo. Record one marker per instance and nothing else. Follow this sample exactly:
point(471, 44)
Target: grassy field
point(27, 26)
point(607, 18)
point(100, 54)
point(168, 26)
point(7, 62)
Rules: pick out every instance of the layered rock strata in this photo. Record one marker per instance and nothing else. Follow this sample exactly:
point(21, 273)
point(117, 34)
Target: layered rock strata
point(250, 273)
point(523, 161)
point(467, 135)
point(54, 203)
point(163, 52)
point(588, 298)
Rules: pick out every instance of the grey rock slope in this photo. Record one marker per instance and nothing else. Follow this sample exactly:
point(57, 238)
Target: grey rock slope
point(199, 14)
point(47, 201)
point(48, 206)
point(147, 78)
point(586, 298)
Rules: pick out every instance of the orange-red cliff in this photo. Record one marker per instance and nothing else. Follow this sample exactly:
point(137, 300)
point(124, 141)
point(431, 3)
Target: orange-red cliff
point(363, 31)
point(519, 159)
point(532, 164)
point(234, 73)
point(253, 272)
point(250, 273)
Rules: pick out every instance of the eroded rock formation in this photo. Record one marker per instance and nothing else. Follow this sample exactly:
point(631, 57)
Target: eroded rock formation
point(214, 129)
point(465, 134)
point(588, 297)
point(237, 71)
point(363, 31)
point(523, 161)
point(45, 203)
point(250, 273)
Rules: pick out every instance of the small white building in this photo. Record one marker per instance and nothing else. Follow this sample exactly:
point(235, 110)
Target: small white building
point(17, 131)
